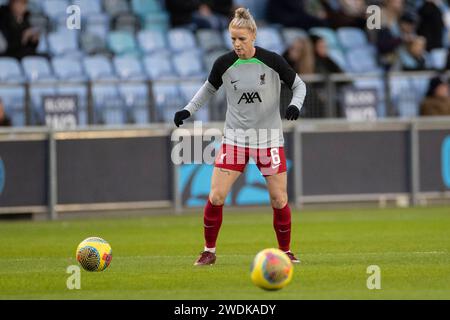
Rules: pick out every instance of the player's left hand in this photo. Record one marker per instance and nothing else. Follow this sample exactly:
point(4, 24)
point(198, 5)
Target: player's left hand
point(292, 112)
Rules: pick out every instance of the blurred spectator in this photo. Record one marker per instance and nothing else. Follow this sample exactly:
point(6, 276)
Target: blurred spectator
point(437, 100)
point(300, 56)
point(15, 25)
point(291, 13)
point(4, 119)
point(431, 24)
point(200, 14)
point(323, 63)
point(347, 13)
point(413, 50)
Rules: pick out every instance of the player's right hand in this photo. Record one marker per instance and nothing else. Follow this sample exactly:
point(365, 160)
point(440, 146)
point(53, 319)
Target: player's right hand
point(180, 116)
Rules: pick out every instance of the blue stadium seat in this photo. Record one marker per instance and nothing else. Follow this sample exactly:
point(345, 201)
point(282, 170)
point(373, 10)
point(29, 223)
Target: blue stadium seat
point(329, 35)
point(438, 58)
point(257, 7)
point(80, 91)
point(64, 43)
point(98, 67)
point(89, 7)
point(188, 89)
point(188, 64)
point(122, 43)
point(339, 58)
point(351, 38)
point(227, 39)
point(291, 34)
point(135, 96)
point(167, 100)
point(362, 60)
point(270, 39)
point(158, 66)
point(43, 44)
point(37, 94)
point(56, 10)
point(10, 70)
point(211, 57)
point(68, 69)
point(108, 106)
point(158, 21)
point(403, 97)
point(14, 101)
point(116, 7)
point(151, 41)
point(128, 67)
point(181, 39)
point(210, 40)
point(144, 7)
point(98, 29)
point(37, 69)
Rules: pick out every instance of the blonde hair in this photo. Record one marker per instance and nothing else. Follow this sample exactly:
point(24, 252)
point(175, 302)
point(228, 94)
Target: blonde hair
point(243, 19)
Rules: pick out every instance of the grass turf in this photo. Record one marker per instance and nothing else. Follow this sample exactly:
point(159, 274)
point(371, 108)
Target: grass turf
point(153, 256)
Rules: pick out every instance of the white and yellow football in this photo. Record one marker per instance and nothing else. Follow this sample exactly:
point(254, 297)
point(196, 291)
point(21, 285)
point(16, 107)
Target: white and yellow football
point(271, 269)
point(94, 254)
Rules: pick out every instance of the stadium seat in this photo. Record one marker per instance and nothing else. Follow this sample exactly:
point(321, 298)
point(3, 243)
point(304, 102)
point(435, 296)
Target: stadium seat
point(291, 34)
point(158, 21)
point(129, 68)
point(438, 58)
point(403, 97)
point(181, 39)
point(362, 60)
point(37, 69)
point(210, 40)
point(89, 7)
point(116, 7)
point(80, 91)
point(98, 67)
point(14, 102)
point(327, 34)
point(10, 70)
point(108, 106)
point(144, 7)
point(127, 22)
point(211, 57)
point(188, 90)
point(34, 6)
point(339, 58)
point(167, 100)
point(188, 64)
point(158, 66)
point(151, 41)
point(350, 38)
point(270, 39)
point(227, 39)
point(43, 44)
point(68, 69)
point(64, 43)
point(122, 43)
point(135, 96)
point(257, 7)
point(56, 10)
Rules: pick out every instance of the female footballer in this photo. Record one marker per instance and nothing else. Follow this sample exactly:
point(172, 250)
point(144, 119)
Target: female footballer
point(253, 127)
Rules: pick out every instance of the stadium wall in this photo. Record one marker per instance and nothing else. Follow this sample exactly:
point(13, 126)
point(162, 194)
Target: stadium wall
point(329, 161)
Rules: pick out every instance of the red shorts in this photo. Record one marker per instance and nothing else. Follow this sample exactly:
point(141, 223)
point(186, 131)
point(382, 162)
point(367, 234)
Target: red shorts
point(270, 161)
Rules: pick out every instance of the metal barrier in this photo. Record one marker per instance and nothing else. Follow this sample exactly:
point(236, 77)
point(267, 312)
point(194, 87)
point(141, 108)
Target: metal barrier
point(399, 93)
point(121, 168)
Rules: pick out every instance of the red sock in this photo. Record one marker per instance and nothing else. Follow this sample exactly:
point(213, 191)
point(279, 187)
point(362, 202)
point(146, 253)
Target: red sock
point(212, 221)
point(282, 226)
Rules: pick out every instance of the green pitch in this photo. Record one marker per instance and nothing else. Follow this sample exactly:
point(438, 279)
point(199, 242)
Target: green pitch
point(153, 256)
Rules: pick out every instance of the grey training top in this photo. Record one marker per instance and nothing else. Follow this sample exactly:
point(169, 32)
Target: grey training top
point(253, 97)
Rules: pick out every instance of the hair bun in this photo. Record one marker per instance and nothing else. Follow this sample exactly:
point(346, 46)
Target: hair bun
point(242, 13)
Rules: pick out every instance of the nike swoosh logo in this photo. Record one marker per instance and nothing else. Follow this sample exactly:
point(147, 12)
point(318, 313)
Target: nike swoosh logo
point(222, 156)
point(233, 82)
point(274, 167)
point(283, 231)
